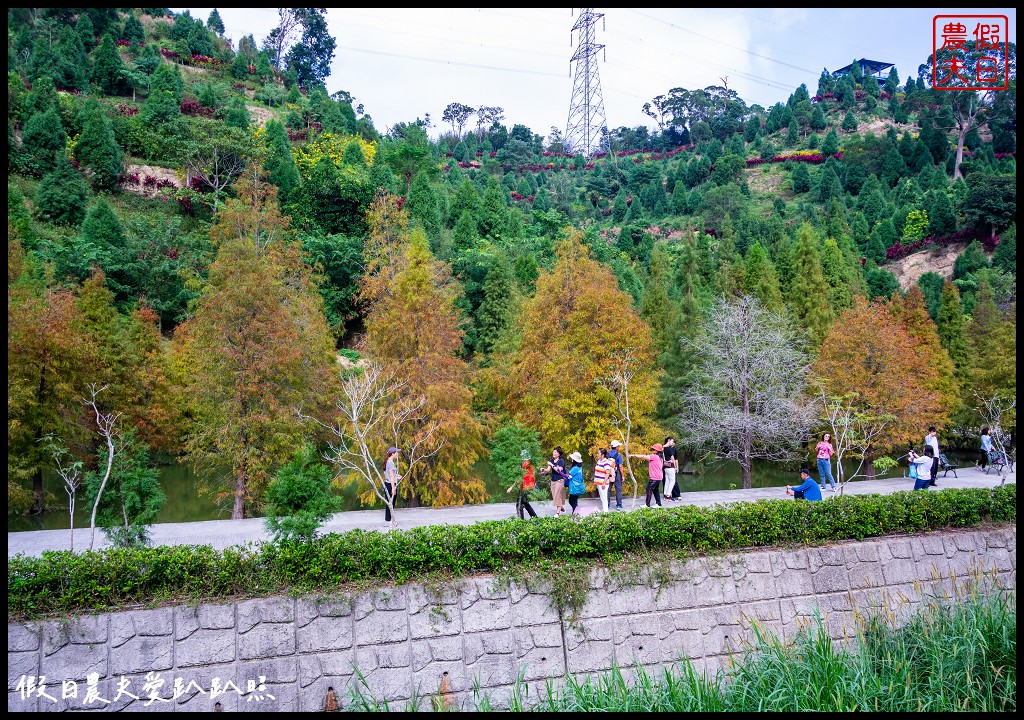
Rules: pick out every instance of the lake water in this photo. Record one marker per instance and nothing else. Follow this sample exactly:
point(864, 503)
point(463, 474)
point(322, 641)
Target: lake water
point(184, 503)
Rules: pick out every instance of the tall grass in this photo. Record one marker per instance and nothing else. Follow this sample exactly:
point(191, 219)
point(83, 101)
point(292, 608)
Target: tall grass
point(955, 653)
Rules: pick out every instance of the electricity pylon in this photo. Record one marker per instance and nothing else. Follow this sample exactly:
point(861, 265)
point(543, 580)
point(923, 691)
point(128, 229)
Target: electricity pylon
point(586, 131)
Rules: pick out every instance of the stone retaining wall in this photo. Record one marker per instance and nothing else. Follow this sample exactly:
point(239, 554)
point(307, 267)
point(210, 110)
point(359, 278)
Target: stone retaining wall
point(283, 653)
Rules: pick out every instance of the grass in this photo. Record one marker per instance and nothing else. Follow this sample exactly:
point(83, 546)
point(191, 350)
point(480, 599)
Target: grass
point(954, 655)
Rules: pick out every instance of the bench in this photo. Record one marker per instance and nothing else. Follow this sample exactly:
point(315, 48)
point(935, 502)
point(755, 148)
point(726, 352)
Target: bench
point(998, 460)
point(945, 465)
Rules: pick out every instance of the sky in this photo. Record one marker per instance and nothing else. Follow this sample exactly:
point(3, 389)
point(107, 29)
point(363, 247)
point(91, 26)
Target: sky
point(404, 63)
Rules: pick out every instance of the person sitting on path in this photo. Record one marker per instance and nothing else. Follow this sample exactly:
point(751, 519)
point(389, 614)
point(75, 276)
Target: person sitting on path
point(577, 487)
point(806, 490)
point(655, 468)
point(604, 471)
point(528, 483)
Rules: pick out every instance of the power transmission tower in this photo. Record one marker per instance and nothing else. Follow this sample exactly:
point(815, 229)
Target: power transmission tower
point(586, 132)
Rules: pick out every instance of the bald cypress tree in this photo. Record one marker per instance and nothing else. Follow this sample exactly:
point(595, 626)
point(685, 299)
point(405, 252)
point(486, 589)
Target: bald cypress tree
point(761, 280)
point(808, 294)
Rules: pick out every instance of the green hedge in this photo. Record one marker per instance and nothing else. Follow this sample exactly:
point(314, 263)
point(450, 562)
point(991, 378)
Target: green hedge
point(63, 581)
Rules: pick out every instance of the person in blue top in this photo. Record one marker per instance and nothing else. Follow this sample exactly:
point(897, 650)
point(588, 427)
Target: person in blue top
point(576, 485)
point(615, 455)
point(808, 489)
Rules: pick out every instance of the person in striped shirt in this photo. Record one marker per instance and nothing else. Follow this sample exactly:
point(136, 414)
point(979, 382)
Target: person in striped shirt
point(604, 472)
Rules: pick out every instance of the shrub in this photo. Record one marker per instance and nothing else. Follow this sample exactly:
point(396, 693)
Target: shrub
point(299, 500)
point(63, 581)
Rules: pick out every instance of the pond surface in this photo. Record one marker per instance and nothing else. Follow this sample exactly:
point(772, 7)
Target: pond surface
point(185, 504)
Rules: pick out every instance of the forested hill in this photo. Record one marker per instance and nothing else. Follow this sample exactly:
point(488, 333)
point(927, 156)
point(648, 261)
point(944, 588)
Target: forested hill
point(197, 227)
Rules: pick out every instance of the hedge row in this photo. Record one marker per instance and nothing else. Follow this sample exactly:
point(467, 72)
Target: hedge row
point(64, 582)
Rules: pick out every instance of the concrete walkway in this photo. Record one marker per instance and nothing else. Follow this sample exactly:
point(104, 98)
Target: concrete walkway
point(225, 533)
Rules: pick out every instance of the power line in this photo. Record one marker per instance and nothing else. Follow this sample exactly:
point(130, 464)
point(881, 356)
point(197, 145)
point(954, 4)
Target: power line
point(451, 62)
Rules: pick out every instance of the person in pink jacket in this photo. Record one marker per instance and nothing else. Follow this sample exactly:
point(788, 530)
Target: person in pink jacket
point(825, 452)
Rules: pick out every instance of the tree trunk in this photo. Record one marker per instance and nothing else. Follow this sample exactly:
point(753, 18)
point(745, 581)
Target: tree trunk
point(38, 500)
point(869, 464)
point(238, 510)
point(747, 443)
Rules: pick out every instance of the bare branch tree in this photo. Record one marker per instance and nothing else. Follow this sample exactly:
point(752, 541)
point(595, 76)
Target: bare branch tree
point(107, 425)
point(287, 33)
point(993, 408)
point(624, 369)
point(376, 410)
point(70, 471)
point(853, 432)
point(217, 166)
point(745, 401)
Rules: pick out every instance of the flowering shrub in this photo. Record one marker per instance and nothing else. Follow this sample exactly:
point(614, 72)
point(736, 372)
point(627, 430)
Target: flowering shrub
point(332, 146)
point(127, 110)
point(807, 156)
point(193, 109)
point(1000, 156)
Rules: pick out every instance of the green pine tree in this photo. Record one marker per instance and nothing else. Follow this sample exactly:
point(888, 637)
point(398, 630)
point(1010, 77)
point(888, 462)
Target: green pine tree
point(108, 71)
point(497, 309)
point(62, 195)
point(97, 148)
point(808, 294)
point(849, 122)
point(43, 142)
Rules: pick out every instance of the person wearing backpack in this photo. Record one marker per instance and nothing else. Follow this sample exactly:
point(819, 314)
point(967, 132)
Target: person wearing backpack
point(577, 488)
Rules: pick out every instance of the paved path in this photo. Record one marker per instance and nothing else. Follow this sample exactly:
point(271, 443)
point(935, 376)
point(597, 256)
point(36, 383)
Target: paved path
point(225, 533)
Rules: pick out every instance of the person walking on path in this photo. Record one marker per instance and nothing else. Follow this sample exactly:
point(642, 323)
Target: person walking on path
point(655, 467)
point(986, 448)
point(806, 490)
point(616, 457)
point(825, 452)
point(556, 469)
point(528, 483)
point(577, 488)
point(932, 441)
point(604, 471)
point(923, 463)
point(391, 478)
point(671, 466)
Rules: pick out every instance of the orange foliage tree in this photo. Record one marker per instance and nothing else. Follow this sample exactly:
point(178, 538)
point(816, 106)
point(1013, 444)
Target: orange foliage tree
point(870, 356)
point(575, 330)
point(256, 348)
point(414, 331)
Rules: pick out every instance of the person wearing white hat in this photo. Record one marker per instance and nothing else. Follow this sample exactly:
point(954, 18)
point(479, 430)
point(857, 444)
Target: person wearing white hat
point(576, 484)
point(616, 456)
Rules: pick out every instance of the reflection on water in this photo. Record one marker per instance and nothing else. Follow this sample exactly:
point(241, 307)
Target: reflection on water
point(184, 503)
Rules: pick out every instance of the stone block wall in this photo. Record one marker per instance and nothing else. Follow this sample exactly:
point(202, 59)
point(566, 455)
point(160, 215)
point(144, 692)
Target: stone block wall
point(283, 653)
